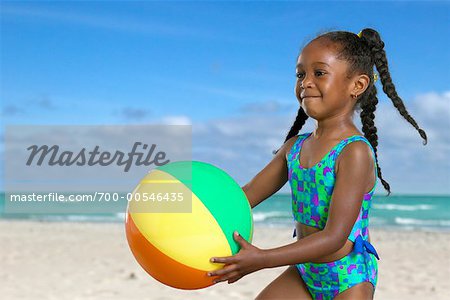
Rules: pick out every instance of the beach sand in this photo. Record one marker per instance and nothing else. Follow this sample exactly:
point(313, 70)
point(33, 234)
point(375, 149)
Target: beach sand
point(50, 260)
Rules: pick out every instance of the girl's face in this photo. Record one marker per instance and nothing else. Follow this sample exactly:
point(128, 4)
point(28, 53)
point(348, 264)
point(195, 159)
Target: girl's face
point(322, 86)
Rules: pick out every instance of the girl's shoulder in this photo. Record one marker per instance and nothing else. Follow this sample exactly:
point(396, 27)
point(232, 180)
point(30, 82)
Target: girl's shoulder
point(293, 143)
point(351, 149)
point(354, 138)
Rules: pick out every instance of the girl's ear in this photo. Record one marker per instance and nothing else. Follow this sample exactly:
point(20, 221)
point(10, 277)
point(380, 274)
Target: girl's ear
point(360, 84)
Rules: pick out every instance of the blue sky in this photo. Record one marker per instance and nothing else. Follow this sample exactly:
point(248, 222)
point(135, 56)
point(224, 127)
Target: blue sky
point(227, 68)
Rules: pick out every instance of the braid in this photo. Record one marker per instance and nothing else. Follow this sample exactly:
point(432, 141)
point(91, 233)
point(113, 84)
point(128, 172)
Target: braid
point(368, 106)
point(372, 38)
point(298, 124)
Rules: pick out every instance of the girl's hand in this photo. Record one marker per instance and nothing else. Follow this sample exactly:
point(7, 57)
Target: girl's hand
point(249, 259)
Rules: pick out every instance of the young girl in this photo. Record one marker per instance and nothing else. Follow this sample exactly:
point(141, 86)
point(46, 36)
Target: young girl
point(332, 175)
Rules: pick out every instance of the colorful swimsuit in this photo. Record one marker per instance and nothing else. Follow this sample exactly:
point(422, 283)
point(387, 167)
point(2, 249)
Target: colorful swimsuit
point(311, 195)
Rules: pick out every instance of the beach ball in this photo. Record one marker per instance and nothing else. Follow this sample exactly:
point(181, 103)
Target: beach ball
point(179, 216)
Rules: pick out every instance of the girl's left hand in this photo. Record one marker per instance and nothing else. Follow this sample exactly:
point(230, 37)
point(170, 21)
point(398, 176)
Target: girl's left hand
point(249, 259)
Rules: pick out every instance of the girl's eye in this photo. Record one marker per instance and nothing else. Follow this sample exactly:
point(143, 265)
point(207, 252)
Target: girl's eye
point(317, 73)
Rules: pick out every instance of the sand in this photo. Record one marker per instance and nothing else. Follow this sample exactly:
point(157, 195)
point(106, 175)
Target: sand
point(50, 260)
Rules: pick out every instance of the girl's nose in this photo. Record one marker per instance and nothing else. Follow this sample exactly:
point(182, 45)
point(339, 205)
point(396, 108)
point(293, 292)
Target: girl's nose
point(306, 82)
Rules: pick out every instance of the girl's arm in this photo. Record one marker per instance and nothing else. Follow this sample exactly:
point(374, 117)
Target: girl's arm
point(270, 179)
point(352, 178)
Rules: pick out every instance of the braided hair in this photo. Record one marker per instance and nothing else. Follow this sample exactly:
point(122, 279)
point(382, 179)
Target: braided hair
point(362, 52)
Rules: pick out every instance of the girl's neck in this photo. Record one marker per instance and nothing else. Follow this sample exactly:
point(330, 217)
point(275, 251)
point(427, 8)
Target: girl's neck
point(333, 128)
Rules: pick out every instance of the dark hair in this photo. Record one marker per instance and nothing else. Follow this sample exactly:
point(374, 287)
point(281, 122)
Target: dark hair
point(362, 53)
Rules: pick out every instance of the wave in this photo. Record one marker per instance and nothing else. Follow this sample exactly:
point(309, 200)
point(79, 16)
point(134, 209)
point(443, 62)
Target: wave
point(417, 222)
point(377, 221)
point(121, 216)
point(404, 207)
point(265, 216)
point(79, 218)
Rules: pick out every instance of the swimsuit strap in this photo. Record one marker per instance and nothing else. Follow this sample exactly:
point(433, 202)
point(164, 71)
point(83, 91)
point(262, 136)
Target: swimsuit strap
point(338, 149)
point(296, 147)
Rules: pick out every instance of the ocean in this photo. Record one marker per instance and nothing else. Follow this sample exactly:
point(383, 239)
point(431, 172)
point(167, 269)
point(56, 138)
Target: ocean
point(405, 212)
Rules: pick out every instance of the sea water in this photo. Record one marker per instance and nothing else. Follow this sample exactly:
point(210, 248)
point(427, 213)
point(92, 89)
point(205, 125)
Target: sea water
point(406, 212)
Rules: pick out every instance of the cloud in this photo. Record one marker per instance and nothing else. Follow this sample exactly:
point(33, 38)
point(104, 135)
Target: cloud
point(45, 102)
point(219, 91)
point(431, 111)
point(42, 102)
point(242, 145)
point(133, 114)
point(12, 110)
point(410, 164)
point(176, 120)
point(272, 106)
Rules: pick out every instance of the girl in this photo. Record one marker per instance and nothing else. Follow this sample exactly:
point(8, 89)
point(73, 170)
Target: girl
point(332, 177)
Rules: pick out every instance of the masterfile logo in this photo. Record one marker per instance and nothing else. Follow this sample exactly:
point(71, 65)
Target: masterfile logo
point(55, 167)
